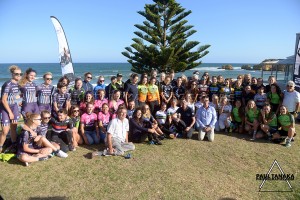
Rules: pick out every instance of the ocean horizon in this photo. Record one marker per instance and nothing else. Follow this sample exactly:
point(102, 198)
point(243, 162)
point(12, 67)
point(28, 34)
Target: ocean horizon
point(111, 69)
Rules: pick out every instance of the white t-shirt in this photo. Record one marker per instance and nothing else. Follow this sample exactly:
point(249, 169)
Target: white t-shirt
point(118, 129)
point(290, 99)
point(226, 111)
point(172, 110)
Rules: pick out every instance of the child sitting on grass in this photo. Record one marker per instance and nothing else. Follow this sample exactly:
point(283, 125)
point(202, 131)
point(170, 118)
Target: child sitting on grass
point(33, 148)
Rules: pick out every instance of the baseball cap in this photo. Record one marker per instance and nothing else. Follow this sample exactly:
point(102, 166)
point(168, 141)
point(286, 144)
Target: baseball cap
point(119, 75)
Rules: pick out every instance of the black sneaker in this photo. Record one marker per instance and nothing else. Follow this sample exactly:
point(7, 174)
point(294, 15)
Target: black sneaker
point(161, 137)
point(157, 142)
point(43, 158)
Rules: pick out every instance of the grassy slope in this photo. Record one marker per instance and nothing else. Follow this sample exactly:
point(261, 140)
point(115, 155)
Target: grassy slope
point(179, 169)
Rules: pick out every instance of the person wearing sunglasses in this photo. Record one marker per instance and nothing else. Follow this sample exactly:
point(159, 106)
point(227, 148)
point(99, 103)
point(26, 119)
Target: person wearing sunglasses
point(28, 91)
point(291, 99)
point(100, 85)
point(8, 106)
point(45, 92)
point(33, 148)
point(87, 86)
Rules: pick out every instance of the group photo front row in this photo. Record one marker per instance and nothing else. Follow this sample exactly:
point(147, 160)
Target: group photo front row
point(43, 120)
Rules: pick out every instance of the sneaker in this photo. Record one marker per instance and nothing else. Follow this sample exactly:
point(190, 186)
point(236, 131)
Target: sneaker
point(106, 153)
point(50, 155)
point(26, 164)
point(288, 144)
point(43, 158)
point(179, 135)
point(161, 137)
point(151, 142)
point(61, 154)
point(72, 148)
point(157, 142)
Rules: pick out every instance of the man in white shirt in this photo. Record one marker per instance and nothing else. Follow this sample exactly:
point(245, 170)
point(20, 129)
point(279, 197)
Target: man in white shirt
point(117, 136)
point(291, 99)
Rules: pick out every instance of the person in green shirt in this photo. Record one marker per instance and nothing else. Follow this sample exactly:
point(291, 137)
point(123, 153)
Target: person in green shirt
point(274, 98)
point(252, 118)
point(238, 117)
point(286, 122)
point(269, 122)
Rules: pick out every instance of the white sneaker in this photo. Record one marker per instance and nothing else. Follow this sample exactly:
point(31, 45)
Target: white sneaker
point(61, 154)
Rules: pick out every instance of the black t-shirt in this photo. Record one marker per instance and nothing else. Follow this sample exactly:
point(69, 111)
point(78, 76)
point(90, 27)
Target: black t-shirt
point(186, 115)
point(179, 92)
point(167, 90)
point(132, 91)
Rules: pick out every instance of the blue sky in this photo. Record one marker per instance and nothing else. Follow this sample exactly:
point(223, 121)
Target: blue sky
point(239, 31)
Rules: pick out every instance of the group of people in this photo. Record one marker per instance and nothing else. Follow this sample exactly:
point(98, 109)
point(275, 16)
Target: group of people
point(145, 107)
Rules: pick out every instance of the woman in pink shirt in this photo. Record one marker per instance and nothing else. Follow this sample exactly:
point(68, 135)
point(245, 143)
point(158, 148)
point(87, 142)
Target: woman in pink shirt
point(100, 100)
point(88, 98)
point(89, 126)
point(115, 103)
point(103, 120)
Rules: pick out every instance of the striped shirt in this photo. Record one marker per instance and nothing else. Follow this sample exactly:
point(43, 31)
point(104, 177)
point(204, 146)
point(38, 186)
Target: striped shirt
point(42, 129)
point(29, 92)
point(44, 94)
point(59, 127)
point(61, 99)
point(11, 90)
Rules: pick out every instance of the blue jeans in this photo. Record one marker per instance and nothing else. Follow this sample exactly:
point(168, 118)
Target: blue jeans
point(92, 137)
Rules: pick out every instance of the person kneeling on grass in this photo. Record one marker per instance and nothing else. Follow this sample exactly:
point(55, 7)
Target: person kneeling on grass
point(269, 122)
point(206, 117)
point(32, 148)
point(286, 122)
point(117, 136)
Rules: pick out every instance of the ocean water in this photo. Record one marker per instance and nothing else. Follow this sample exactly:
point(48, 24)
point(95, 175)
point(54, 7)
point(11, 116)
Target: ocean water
point(111, 69)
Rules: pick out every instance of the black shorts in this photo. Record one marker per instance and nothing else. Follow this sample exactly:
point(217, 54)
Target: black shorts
point(283, 133)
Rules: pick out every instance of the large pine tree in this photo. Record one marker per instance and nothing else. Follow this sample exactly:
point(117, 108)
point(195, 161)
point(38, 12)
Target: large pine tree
point(162, 40)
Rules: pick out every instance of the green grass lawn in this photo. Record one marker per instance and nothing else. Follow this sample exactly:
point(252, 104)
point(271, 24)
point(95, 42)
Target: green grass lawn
point(179, 169)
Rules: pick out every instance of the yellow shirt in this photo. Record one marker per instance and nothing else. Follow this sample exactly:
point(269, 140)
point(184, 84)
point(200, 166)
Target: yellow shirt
point(142, 92)
point(153, 93)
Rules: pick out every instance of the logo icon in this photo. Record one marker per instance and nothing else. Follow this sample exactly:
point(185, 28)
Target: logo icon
point(282, 177)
